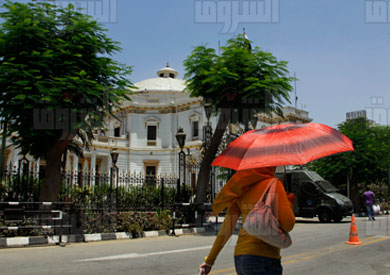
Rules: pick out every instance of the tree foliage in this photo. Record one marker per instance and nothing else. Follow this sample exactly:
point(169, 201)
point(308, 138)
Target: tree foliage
point(57, 80)
point(368, 164)
point(239, 78)
point(238, 83)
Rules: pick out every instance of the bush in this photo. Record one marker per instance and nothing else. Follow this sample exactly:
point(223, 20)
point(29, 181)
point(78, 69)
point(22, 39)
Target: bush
point(136, 222)
point(99, 222)
point(163, 219)
point(3, 190)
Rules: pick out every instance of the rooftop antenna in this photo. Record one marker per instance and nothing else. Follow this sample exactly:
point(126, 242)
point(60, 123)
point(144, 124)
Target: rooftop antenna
point(219, 47)
point(295, 90)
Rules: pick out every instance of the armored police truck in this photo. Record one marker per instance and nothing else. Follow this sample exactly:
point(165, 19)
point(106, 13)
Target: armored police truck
point(315, 196)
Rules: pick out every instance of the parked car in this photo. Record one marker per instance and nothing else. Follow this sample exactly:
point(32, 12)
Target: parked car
point(315, 196)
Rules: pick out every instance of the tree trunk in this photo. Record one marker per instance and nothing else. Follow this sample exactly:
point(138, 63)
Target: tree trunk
point(204, 172)
point(52, 183)
point(355, 197)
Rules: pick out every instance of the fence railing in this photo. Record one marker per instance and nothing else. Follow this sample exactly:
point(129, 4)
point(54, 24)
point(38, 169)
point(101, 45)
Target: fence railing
point(99, 190)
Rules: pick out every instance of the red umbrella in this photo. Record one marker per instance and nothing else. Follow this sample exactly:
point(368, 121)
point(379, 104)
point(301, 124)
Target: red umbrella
point(284, 144)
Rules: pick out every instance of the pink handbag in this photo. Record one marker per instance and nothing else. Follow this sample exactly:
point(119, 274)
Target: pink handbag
point(261, 222)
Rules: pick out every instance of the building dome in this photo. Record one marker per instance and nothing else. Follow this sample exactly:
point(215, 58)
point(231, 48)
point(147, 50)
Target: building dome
point(167, 72)
point(166, 81)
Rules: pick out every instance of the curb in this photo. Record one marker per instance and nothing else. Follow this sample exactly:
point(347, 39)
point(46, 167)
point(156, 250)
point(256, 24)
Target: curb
point(64, 239)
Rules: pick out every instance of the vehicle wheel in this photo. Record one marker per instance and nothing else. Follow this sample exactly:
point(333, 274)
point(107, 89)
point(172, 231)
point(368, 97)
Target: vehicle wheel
point(324, 215)
point(338, 218)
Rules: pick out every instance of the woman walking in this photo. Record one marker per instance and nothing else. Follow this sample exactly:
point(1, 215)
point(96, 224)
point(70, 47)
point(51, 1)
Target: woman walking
point(252, 256)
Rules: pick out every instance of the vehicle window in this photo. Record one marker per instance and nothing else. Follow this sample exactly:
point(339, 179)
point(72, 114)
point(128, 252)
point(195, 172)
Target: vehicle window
point(310, 188)
point(314, 176)
point(295, 179)
point(327, 186)
point(304, 177)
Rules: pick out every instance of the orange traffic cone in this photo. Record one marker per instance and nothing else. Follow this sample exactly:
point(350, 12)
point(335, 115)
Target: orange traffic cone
point(353, 234)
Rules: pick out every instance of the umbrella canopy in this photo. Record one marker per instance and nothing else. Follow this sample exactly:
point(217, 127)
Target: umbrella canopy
point(284, 144)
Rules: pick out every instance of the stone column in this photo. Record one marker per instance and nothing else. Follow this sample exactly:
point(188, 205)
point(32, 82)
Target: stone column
point(109, 164)
point(85, 171)
point(75, 169)
point(92, 171)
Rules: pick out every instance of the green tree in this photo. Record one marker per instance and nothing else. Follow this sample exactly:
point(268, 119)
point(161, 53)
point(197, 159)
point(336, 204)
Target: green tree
point(368, 164)
point(238, 83)
point(57, 81)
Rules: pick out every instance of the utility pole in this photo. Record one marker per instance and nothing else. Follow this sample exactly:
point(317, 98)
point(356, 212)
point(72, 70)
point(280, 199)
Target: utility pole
point(349, 176)
point(3, 146)
point(388, 178)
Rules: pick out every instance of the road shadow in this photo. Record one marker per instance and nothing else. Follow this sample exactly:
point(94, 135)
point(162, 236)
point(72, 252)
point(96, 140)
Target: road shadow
point(213, 232)
point(314, 221)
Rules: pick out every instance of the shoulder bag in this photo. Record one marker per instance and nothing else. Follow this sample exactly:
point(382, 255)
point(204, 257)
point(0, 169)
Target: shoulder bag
point(262, 223)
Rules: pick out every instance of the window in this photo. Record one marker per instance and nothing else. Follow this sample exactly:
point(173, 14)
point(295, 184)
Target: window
point(194, 120)
point(150, 177)
point(117, 132)
point(152, 132)
point(151, 126)
point(152, 135)
point(195, 130)
point(151, 171)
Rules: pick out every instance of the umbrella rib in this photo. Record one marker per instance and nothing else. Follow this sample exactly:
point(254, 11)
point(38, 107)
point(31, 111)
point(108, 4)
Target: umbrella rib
point(247, 151)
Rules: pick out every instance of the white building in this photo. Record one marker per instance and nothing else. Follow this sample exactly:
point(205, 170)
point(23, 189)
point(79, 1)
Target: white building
point(144, 135)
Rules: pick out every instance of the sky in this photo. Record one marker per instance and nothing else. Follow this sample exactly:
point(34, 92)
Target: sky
point(338, 49)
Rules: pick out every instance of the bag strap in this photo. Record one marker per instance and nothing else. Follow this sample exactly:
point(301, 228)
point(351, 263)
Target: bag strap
point(268, 195)
point(271, 192)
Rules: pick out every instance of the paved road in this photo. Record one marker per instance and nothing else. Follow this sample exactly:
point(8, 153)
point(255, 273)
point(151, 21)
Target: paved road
point(317, 249)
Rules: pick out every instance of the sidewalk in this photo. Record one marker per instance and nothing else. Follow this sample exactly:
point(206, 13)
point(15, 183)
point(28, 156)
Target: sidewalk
point(64, 239)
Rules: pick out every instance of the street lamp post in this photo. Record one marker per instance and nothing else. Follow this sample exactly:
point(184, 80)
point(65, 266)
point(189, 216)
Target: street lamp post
point(24, 165)
point(114, 158)
point(181, 139)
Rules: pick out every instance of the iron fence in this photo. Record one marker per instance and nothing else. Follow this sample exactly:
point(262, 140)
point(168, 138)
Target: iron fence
point(115, 190)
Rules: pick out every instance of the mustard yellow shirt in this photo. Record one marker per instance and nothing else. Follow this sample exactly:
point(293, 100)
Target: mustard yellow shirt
point(242, 205)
